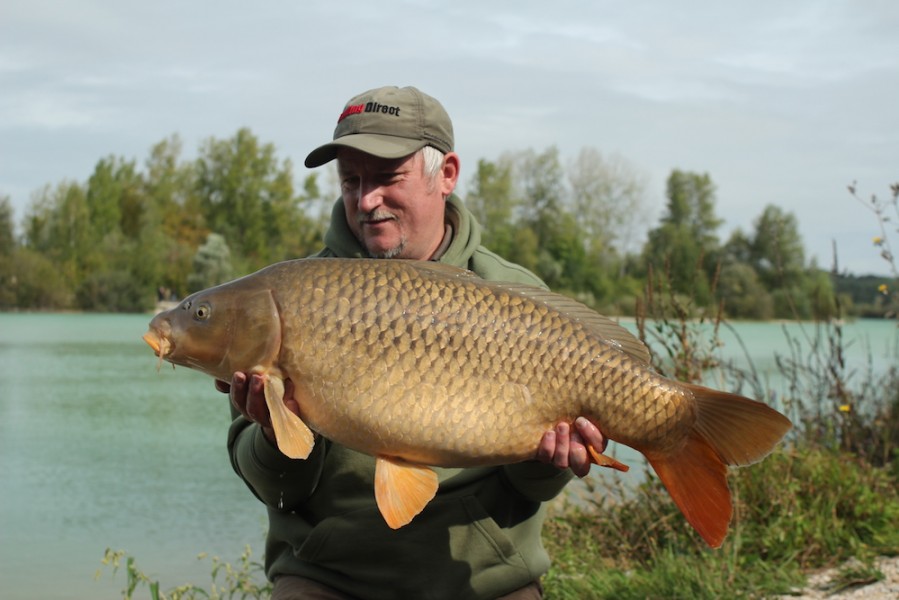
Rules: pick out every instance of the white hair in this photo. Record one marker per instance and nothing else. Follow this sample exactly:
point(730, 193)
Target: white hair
point(432, 161)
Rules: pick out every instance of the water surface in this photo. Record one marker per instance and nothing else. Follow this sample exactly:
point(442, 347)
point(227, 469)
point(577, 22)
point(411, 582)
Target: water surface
point(99, 450)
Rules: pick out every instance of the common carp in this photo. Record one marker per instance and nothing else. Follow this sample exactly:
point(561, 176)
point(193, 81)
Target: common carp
point(420, 364)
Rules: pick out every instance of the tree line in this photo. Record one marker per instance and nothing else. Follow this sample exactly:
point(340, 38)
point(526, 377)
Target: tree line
point(131, 235)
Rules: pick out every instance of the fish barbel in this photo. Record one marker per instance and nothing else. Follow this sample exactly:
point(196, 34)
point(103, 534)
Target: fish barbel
point(421, 364)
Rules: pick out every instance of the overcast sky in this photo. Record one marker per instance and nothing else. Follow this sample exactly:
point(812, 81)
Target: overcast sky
point(780, 101)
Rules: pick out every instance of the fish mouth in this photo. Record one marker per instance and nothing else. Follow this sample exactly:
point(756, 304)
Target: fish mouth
point(160, 345)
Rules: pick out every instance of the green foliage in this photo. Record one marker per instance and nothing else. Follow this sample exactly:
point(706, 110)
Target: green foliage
point(493, 204)
point(212, 264)
point(886, 212)
point(571, 235)
point(863, 294)
point(827, 506)
point(129, 230)
point(7, 254)
point(7, 228)
point(855, 573)
point(828, 495)
point(801, 508)
point(37, 283)
point(114, 240)
point(245, 580)
point(248, 197)
point(743, 294)
point(685, 243)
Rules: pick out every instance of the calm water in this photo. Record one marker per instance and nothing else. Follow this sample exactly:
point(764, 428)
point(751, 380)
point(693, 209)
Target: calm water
point(98, 450)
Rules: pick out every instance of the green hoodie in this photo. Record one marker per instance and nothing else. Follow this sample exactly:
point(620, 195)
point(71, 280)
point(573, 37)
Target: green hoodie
point(478, 538)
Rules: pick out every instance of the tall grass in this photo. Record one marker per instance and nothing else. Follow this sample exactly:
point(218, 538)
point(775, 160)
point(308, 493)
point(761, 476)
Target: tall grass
point(242, 580)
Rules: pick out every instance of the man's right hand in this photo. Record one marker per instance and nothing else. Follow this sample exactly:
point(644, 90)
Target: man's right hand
point(247, 393)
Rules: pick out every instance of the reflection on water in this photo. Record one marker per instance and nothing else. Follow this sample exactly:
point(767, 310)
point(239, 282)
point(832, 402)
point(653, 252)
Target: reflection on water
point(98, 449)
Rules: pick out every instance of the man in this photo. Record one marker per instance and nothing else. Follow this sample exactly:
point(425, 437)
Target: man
point(480, 536)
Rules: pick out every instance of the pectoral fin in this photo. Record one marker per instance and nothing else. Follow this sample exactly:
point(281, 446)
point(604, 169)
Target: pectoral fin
point(294, 437)
point(402, 489)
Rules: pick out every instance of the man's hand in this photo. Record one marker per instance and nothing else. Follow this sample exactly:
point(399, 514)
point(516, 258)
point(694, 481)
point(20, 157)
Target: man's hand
point(247, 393)
point(565, 448)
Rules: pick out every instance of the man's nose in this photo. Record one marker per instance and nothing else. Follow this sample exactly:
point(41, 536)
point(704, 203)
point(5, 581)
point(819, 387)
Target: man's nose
point(370, 196)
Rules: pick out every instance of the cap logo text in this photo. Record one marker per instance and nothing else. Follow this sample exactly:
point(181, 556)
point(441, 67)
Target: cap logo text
point(369, 107)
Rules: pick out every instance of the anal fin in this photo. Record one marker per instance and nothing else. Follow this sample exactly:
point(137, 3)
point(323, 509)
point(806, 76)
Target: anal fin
point(402, 489)
point(602, 460)
point(294, 437)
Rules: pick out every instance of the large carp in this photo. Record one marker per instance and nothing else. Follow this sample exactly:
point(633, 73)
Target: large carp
point(420, 364)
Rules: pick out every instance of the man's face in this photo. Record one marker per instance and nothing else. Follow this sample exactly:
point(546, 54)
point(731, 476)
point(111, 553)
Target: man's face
point(391, 206)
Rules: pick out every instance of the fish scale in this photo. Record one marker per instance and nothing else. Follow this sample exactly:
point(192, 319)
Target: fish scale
point(421, 364)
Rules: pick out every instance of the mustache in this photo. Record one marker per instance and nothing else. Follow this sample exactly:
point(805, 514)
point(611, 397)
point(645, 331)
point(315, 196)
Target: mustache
point(375, 215)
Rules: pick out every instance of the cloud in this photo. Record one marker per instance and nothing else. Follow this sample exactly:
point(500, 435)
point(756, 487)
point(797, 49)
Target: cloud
point(779, 102)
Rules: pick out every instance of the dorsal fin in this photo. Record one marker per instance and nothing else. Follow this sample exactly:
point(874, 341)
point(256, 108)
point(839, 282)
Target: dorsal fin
point(443, 270)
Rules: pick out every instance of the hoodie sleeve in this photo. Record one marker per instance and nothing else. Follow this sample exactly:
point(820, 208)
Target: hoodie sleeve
point(278, 481)
point(537, 481)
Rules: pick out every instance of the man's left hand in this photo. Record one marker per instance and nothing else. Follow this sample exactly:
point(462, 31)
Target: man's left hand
point(566, 446)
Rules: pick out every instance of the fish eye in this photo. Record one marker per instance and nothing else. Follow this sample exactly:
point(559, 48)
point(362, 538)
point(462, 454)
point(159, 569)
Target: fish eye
point(203, 311)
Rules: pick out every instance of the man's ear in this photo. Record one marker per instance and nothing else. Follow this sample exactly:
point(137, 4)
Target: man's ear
point(449, 173)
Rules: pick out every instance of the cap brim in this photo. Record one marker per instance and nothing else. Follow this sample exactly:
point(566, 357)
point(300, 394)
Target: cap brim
point(382, 146)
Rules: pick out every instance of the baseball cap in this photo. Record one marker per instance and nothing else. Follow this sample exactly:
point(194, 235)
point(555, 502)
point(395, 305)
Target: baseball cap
point(388, 122)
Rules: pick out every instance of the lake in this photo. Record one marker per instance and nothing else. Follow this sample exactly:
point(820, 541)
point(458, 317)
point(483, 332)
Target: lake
point(99, 450)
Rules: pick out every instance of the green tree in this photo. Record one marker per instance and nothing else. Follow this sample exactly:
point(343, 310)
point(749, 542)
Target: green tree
point(492, 201)
point(776, 250)
point(39, 283)
point(112, 197)
point(7, 228)
point(290, 231)
point(7, 255)
point(545, 209)
point(57, 226)
point(247, 196)
point(743, 294)
point(117, 272)
point(685, 245)
point(541, 179)
point(819, 288)
point(212, 264)
point(609, 199)
point(173, 224)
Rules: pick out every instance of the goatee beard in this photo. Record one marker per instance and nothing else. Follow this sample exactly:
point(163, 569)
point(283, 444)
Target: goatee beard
point(390, 252)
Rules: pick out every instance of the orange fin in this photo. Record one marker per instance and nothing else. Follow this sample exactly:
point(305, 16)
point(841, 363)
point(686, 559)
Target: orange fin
point(742, 431)
point(294, 437)
point(402, 489)
point(696, 478)
point(602, 460)
point(729, 430)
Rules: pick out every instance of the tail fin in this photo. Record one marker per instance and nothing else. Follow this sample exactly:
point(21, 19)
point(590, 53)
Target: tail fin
point(729, 430)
